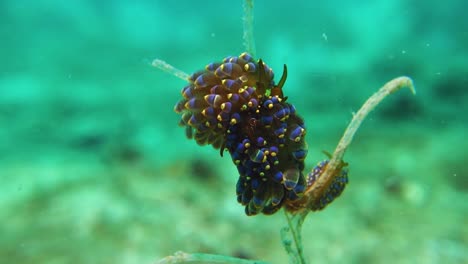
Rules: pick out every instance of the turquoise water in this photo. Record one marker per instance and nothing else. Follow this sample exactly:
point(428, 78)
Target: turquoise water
point(94, 168)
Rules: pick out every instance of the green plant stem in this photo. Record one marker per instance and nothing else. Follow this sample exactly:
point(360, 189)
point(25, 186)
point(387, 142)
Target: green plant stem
point(164, 66)
point(249, 40)
point(182, 257)
point(333, 166)
point(294, 231)
point(296, 220)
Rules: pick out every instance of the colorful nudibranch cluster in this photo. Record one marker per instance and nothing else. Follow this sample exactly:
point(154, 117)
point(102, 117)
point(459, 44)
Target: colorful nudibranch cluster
point(236, 105)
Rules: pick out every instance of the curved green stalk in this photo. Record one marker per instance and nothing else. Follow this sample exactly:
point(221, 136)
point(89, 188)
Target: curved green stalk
point(295, 221)
point(324, 181)
point(182, 257)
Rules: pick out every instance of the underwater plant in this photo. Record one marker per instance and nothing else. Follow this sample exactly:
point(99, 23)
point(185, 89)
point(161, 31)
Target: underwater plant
point(234, 105)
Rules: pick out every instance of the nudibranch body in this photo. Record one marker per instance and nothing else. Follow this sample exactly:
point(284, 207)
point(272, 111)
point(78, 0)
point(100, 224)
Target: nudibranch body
point(336, 186)
point(236, 105)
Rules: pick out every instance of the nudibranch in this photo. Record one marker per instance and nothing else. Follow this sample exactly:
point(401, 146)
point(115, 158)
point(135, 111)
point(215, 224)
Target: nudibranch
point(235, 105)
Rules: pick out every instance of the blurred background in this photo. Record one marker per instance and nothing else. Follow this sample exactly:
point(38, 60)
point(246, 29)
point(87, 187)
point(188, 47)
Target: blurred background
point(94, 168)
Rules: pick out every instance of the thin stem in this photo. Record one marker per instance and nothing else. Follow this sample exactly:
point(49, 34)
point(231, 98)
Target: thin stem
point(299, 220)
point(182, 257)
point(297, 242)
point(331, 170)
point(249, 40)
point(295, 229)
point(287, 244)
point(164, 66)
